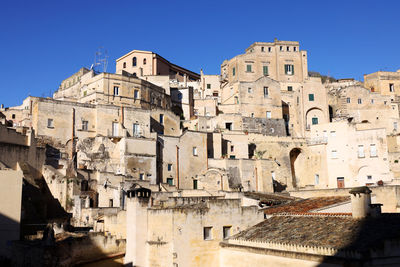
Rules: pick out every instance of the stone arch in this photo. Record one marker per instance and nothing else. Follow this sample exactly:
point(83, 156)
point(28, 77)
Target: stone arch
point(214, 179)
point(314, 116)
point(293, 154)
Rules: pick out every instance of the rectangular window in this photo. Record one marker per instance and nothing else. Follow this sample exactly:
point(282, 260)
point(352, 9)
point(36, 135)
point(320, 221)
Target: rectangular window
point(208, 86)
point(136, 129)
point(310, 97)
point(236, 100)
point(161, 119)
point(348, 100)
point(340, 182)
point(232, 148)
point(281, 48)
point(170, 181)
point(85, 125)
point(359, 101)
point(290, 88)
point(314, 121)
point(289, 69)
point(265, 70)
point(269, 116)
point(116, 90)
point(141, 176)
point(334, 154)
point(228, 126)
point(391, 87)
point(233, 71)
point(169, 167)
point(50, 123)
point(294, 49)
point(262, 48)
point(372, 149)
point(215, 93)
point(194, 151)
point(248, 68)
point(265, 91)
point(207, 233)
point(372, 101)
point(250, 90)
point(136, 94)
point(269, 49)
point(288, 48)
point(395, 126)
point(361, 151)
point(333, 133)
point(369, 177)
point(273, 175)
point(316, 179)
point(194, 184)
point(111, 203)
point(226, 231)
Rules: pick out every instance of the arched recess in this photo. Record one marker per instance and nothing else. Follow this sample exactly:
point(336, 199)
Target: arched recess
point(214, 179)
point(314, 116)
point(293, 154)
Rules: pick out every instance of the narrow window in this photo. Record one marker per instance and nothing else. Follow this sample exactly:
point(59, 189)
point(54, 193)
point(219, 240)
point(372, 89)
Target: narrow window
point(194, 184)
point(236, 100)
point(395, 126)
point(273, 175)
point(269, 116)
point(144, 61)
point(115, 129)
point(384, 102)
point(250, 90)
point(111, 203)
point(207, 233)
point(361, 151)
point(226, 231)
point(334, 154)
point(208, 86)
point(359, 101)
point(314, 121)
point(289, 69)
point(228, 126)
point(333, 133)
point(372, 149)
point(290, 88)
point(50, 123)
point(265, 70)
point(248, 68)
point(316, 179)
point(348, 100)
point(136, 129)
point(161, 119)
point(233, 71)
point(85, 125)
point(310, 97)
point(340, 182)
point(372, 101)
point(391, 87)
point(294, 49)
point(124, 65)
point(116, 90)
point(134, 61)
point(262, 48)
point(232, 148)
point(195, 151)
point(269, 49)
point(169, 167)
point(288, 48)
point(281, 48)
point(141, 176)
point(136, 94)
point(265, 91)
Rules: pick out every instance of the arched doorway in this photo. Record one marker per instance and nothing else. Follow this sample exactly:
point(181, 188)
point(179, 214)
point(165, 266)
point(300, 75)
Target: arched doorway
point(293, 154)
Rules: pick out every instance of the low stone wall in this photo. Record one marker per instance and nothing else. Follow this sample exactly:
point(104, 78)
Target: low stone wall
point(68, 252)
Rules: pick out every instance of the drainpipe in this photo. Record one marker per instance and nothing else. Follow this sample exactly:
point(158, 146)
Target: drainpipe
point(255, 169)
point(177, 166)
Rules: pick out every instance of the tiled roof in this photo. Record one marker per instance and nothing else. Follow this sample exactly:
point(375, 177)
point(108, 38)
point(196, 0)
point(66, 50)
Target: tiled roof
point(306, 205)
point(340, 232)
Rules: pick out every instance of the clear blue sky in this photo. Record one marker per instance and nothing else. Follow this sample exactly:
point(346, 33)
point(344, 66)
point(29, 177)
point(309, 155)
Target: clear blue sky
point(43, 42)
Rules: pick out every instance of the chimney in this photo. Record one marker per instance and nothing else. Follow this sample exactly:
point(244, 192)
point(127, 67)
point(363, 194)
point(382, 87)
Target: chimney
point(2, 106)
point(360, 202)
point(136, 226)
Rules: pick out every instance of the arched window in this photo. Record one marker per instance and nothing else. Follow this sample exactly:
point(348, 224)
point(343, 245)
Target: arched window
point(124, 65)
point(134, 61)
point(144, 61)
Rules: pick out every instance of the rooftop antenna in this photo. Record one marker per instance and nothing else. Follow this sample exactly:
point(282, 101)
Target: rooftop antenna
point(100, 60)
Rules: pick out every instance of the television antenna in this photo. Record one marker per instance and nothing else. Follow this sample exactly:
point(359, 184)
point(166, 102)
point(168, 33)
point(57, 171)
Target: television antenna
point(100, 60)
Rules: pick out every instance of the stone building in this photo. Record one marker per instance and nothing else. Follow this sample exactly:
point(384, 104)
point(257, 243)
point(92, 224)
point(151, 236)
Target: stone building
point(146, 63)
point(383, 82)
point(164, 230)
